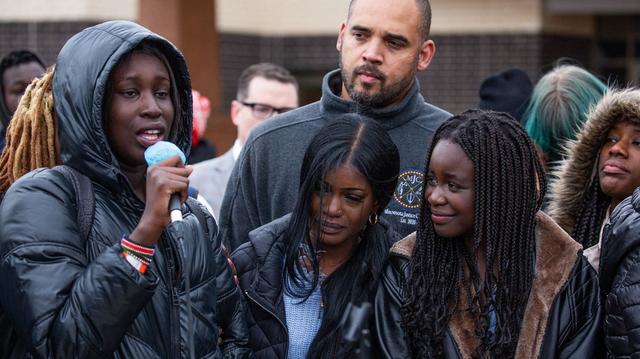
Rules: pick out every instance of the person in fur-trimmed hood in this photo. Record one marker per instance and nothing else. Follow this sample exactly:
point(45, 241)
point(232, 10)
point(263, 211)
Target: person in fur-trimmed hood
point(601, 169)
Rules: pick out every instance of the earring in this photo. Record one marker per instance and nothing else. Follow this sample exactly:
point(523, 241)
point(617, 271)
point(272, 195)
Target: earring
point(373, 218)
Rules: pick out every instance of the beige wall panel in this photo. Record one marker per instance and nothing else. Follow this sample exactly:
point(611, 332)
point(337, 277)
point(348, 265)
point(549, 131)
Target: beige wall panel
point(57, 10)
point(570, 25)
point(486, 16)
point(281, 17)
point(308, 17)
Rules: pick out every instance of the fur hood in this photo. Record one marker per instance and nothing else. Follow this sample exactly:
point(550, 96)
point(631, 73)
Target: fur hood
point(574, 175)
point(556, 254)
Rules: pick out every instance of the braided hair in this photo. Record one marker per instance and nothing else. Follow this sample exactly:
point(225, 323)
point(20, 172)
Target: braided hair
point(31, 136)
point(592, 213)
point(509, 188)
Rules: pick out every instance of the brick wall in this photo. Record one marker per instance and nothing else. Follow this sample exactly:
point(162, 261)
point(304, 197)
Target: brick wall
point(452, 80)
point(44, 38)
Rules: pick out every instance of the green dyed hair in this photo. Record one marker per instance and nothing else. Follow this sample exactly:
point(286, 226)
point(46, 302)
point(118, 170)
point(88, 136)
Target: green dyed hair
point(559, 106)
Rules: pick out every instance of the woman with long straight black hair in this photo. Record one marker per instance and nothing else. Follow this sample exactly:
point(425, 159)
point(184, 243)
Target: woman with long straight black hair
point(300, 272)
point(487, 274)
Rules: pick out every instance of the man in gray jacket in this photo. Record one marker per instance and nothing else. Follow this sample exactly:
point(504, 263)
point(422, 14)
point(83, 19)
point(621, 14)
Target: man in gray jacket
point(264, 90)
point(382, 46)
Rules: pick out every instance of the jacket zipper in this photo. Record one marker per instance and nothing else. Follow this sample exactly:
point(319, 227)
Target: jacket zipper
point(286, 349)
point(174, 319)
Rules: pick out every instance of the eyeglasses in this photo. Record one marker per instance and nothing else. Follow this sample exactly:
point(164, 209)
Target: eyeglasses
point(263, 111)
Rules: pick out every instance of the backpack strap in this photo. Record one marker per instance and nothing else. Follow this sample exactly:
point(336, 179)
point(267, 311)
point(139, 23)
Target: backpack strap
point(85, 201)
point(195, 208)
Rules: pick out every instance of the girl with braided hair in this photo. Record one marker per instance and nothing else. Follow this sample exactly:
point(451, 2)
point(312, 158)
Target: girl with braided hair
point(486, 274)
point(602, 169)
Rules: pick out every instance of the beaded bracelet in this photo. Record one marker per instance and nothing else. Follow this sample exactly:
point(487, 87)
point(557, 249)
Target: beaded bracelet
point(140, 250)
point(144, 260)
point(136, 262)
point(138, 255)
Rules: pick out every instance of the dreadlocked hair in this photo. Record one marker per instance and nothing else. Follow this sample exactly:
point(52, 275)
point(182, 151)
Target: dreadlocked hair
point(31, 136)
point(509, 188)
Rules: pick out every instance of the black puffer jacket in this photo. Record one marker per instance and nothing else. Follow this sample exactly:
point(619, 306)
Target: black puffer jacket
point(67, 297)
point(620, 279)
point(260, 266)
point(260, 263)
point(563, 315)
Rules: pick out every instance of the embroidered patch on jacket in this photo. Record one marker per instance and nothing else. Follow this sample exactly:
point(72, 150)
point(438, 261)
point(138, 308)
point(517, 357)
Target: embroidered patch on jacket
point(409, 190)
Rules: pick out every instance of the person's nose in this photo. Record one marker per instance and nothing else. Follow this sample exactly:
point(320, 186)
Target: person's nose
point(333, 207)
point(619, 149)
point(150, 107)
point(373, 52)
point(435, 196)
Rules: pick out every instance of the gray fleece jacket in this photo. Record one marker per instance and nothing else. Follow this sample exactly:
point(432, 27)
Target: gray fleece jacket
point(265, 180)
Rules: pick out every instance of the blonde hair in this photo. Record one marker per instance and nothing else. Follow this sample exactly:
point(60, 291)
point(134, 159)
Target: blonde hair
point(31, 135)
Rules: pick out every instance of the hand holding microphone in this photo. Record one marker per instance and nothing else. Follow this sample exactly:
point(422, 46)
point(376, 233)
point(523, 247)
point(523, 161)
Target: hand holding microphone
point(167, 184)
point(157, 153)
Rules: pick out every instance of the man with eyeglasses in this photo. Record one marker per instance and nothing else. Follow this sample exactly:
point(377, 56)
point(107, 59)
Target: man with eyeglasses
point(264, 90)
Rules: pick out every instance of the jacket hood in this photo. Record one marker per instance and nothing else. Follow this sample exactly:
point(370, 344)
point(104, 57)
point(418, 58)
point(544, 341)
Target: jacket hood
point(79, 85)
point(575, 174)
point(620, 237)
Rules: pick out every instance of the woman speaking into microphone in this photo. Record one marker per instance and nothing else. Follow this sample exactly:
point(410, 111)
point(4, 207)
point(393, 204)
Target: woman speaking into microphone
point(129, 287)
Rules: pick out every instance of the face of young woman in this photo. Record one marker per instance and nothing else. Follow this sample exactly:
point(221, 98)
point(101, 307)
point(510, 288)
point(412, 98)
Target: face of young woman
point(140, 108)
point(346, 205)
point(619, 162)
point(449, 191)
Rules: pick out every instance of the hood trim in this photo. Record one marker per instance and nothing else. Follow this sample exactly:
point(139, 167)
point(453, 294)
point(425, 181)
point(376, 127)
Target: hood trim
point(556, 256)
point(574, 175)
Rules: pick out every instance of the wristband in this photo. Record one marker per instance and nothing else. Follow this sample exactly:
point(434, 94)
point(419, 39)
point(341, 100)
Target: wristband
point(136, 262)
point(136, 249)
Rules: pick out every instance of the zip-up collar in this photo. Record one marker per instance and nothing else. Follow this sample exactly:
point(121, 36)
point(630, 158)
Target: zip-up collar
point(333, 105)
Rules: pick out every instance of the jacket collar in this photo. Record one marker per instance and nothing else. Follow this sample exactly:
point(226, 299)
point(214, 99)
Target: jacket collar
point(556, 255)
point(333, 105)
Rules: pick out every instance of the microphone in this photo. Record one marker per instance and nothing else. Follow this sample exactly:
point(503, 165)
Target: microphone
point(159, 152)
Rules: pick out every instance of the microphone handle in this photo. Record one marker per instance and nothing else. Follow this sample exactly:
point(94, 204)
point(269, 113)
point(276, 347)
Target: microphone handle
point(175, 209)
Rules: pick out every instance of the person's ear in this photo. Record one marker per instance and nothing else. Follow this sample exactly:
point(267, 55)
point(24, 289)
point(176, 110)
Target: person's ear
point(343, 27)
point(236, 106)
point(427, 50)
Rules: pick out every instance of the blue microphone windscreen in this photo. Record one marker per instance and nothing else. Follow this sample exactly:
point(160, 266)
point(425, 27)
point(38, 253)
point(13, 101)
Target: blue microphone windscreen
point(161, 151)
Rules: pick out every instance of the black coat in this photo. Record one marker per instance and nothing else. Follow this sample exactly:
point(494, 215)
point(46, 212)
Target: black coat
point(563, 316)
point(620, 279)
point(260, 264)
point(66, 296)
